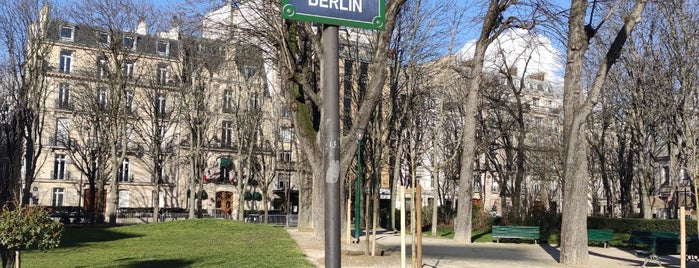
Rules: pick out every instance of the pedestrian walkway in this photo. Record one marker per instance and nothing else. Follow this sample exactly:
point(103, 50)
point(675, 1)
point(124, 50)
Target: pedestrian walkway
point(440, 252)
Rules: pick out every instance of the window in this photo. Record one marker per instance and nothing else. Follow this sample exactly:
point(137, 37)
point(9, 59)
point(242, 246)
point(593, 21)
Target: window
point(282, 181)
point(162, 75)
point(535, 101)
point(124, 198)
point(253, 101)
point(129, 101)
point(536, 187)
point(65, 61)
point(285, 113)
point(250, 72)
point(162, 131)
point(163, 48)
point(124, 171)
point(102, 97)
point(62, 131)
point(102, 68)
point(666, 175)
point(494, 186)
point(225, 174)
point(58, 194)
point(227, 100)
point(63, 96)
point(226, 166)
point(285, 133)
point(129, 42)
point(537, 121)
point(160, 105)
point(59, 167)
point(67, 33)
point(128, 69)
point(227, 134)
point(476, 184)
point(103, 38)
point(284, 156)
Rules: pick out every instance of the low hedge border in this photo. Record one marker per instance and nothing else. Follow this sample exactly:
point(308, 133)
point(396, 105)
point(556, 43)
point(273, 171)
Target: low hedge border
point(626, 225)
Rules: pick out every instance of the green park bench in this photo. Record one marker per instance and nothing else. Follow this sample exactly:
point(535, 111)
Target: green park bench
point(600, 235)
point(645, 239)
point(519, 232)
point(659, 246)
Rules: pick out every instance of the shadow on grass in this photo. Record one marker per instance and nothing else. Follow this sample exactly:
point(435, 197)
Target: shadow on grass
point(159, 263)
point(476, 237)
point(77, 236)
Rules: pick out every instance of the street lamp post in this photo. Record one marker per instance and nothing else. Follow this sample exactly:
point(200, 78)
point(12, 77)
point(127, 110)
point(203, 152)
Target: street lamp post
point(358, 190)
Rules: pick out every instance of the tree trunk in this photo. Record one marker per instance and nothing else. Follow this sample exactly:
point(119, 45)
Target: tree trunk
point(113, 194)
point(462, 225)
point(576, 110)
point(28, 171)
point(305, 212)
point(18, 259)
point(574, 221)
point(396, 178)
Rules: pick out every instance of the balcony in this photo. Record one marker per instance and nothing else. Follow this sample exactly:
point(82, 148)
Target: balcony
point(63, 105)
point(127, 178)
point(65, 176)
point(62, 142)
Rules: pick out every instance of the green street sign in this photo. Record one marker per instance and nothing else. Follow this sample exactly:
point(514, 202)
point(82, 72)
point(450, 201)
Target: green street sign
point(366, 14)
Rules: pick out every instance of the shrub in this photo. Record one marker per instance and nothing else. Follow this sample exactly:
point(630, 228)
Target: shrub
point(29, 226)
point(481, 219)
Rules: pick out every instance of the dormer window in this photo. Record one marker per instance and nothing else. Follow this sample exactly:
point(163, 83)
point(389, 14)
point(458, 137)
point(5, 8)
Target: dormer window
point(67, 33)
point(163, 48)
point(250, 72)
point(103, 38)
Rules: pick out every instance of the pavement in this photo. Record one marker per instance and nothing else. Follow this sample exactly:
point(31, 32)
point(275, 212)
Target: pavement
point(442, 252)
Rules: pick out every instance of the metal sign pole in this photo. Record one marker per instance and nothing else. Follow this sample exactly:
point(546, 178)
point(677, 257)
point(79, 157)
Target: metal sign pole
point(331, 162)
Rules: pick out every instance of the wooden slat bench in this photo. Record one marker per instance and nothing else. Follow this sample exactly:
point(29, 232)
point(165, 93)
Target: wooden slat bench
point(600, 235)
point(520, 232)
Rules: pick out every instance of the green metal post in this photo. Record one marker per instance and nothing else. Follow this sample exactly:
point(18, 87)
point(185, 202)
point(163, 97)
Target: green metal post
point(358, 190)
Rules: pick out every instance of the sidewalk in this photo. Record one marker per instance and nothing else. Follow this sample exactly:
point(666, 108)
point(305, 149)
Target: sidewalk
point(440, 252)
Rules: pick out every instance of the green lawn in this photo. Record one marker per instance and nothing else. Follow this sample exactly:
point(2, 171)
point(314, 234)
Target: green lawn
point(184, 243)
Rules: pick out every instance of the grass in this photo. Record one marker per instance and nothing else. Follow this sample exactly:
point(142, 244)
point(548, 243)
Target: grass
point(186, 243)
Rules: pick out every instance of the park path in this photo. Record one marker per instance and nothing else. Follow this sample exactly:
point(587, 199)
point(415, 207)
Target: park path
point(440, 252)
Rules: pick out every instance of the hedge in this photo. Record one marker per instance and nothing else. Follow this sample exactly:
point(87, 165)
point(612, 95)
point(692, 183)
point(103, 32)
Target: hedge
point(627, 225)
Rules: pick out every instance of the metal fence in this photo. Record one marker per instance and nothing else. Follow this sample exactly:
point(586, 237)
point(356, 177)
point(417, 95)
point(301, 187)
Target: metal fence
point(285, 220)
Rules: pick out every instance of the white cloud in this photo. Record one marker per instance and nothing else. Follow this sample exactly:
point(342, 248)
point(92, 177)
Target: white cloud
point(515, 47)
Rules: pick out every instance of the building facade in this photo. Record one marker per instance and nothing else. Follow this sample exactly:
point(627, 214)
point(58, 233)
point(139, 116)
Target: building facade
point(173, 121)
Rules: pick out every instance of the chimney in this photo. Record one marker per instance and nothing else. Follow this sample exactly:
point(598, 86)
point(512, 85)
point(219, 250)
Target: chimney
point(541, 76)
point(513, 71)
point(142, 28)
point(44, 18)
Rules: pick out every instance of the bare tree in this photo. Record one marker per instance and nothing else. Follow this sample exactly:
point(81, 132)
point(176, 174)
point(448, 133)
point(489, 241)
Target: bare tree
point(123, 22)
point(493, 24)
point(201, 60)
point(577, 107)
point(155, 123)
point(88, 149)
point(26, 47)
